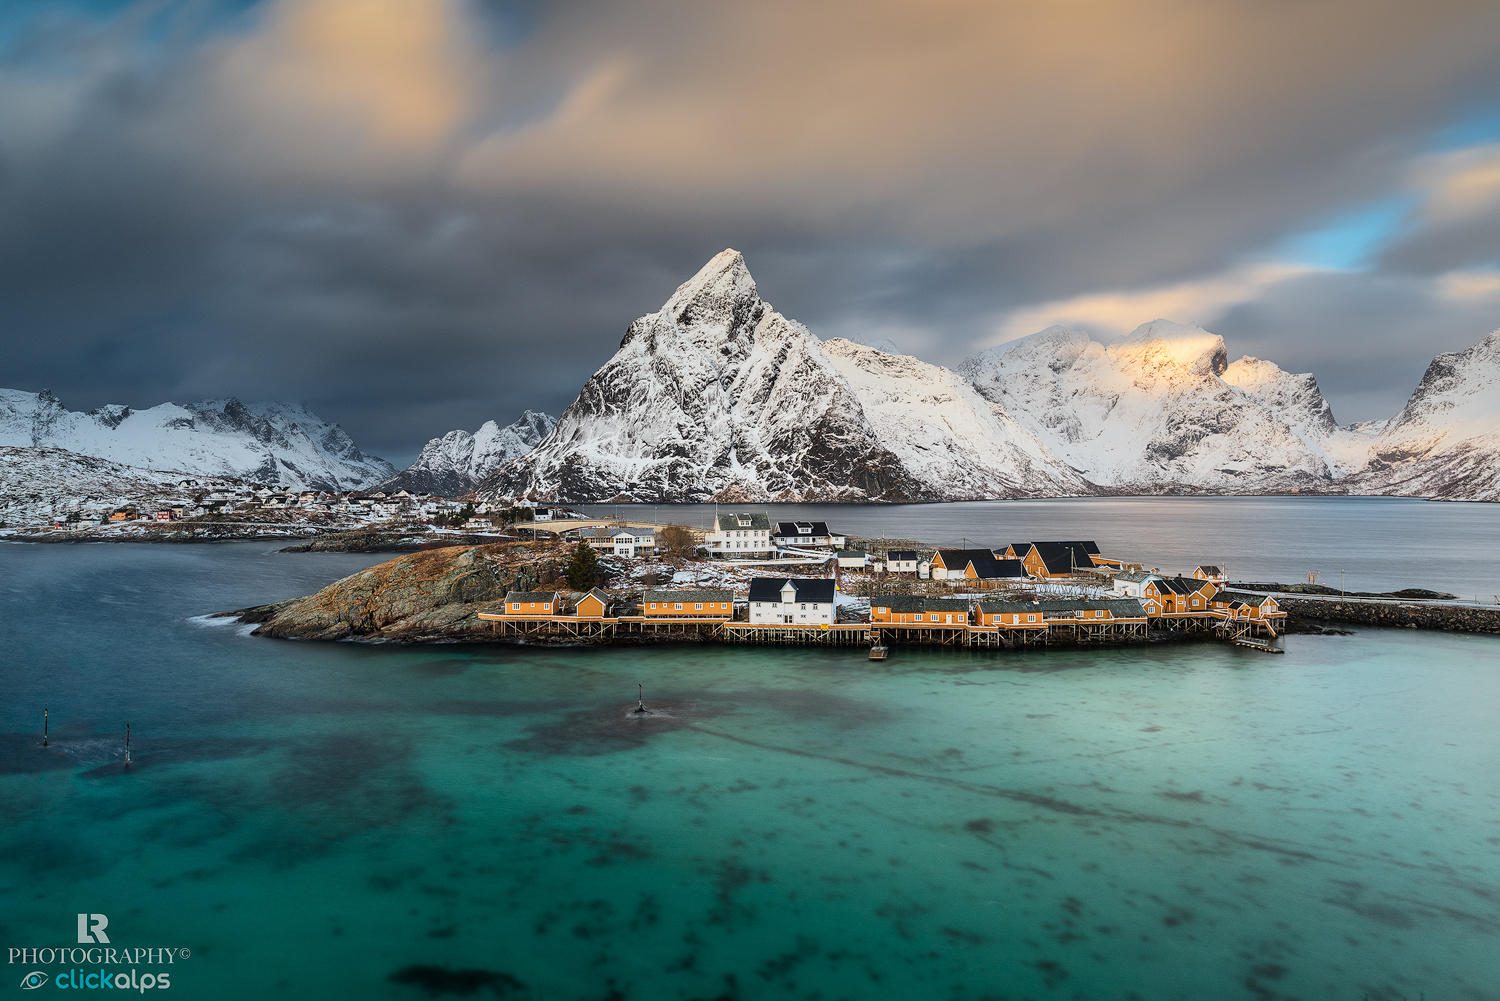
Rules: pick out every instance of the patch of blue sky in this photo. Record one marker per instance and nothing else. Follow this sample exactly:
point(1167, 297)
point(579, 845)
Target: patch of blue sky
point(1350, 239)
point(1479, 126)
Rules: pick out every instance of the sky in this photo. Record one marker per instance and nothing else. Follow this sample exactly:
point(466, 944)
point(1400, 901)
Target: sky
point(415, 215)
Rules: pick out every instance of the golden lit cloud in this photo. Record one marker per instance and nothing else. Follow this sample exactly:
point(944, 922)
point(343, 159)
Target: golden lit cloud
point(1114, 312)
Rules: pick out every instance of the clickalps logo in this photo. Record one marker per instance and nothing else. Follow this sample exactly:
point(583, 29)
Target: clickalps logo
point(97, 964)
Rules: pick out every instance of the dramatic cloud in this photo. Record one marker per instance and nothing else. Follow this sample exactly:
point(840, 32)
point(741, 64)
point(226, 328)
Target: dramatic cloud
point(415, 216)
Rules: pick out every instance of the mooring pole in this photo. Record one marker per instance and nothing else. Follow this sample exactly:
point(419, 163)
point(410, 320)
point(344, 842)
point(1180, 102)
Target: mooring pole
point(44, 726)
point(127, 745)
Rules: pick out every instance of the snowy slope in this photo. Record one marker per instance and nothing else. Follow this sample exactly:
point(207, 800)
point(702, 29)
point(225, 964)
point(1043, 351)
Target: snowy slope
point(944, 431)
point(273, 443)
point(1162, 409)
point(456, 463)
point(1446, 441)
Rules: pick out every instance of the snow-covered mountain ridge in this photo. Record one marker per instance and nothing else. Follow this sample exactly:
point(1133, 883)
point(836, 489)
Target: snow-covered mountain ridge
point(458, 461)
point(718, 396)
point(273, 443)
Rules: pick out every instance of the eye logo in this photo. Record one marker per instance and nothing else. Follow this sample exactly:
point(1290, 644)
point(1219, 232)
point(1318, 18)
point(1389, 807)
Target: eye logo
point(33, 980)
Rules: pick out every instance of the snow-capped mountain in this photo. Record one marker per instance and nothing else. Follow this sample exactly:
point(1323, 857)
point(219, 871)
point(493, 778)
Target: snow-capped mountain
point(1446, 441)
point(272, 443)
point(944, 431)
point(1163, 409)
point(715, 395)
point(456, 463)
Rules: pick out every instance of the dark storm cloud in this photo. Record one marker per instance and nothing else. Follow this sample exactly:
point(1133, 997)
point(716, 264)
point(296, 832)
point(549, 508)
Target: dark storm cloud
point(421, 216)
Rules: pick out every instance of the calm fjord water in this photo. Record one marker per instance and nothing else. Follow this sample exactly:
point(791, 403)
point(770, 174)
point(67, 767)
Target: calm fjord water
point(311, 820)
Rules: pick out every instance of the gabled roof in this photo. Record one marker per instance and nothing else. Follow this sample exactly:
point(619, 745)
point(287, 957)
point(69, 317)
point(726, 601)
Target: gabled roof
point(660, 595)
point(531, 596)
point(913, 603)
point(1119, 607)
point(744, 521)
point(902, 555)
point(957, 559)
point(1135, 576)
point(1247, 597)
point(819, 589)
point(1211, 570)
point(1182, 585)
point(797, 529)
point(1064, 557)
point(850, 553)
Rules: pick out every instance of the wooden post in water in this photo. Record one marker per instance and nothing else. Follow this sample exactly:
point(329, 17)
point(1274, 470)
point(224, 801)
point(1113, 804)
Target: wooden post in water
point(44, 726)
point(127, 745)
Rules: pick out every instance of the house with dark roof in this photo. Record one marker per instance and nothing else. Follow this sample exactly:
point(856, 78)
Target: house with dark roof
point(740, 534)
point(901, 561)
point(684, 603)
point(524, 603)
point(978, 566)
point(1209, 572)
point(1234, 604)
point(792, 601)
point(813, 534)
point(918, 610)
point(1180, 595)
point(1048, 560)
point(1008, 614)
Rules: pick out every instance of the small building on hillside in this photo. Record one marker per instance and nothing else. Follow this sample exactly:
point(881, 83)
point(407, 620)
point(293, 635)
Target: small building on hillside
point(1210, 573)
point(917, 610)
point(532, 603)
point(687, 604)
point(901, 561)
point(619, 541)
point(852, 559)
point(795, 601)
point(739, 534)
point(813, 534)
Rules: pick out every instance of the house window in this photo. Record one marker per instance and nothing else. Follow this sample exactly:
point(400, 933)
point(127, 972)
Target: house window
point(1031, 618)
point(515, 606)
point(677, 607)
point(546, 606)
point(1099, 613)
point(804, 606)
point(698, 606)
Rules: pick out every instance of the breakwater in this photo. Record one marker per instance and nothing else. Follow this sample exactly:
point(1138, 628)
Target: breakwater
point(1390, 614)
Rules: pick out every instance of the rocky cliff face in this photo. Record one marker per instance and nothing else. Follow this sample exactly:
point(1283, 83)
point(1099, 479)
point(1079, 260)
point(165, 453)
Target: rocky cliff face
point(434, 594)
point(459, 461)
point(273, 443)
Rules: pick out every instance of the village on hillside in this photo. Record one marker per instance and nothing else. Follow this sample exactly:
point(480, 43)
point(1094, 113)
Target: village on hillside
point(235, 507)
point(749, 579)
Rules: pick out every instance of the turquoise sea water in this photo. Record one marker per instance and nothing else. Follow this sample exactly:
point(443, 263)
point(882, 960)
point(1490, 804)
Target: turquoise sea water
point(315, 820)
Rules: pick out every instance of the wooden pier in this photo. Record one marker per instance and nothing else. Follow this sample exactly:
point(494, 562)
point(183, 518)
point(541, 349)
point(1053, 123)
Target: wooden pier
point(1259, 635)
